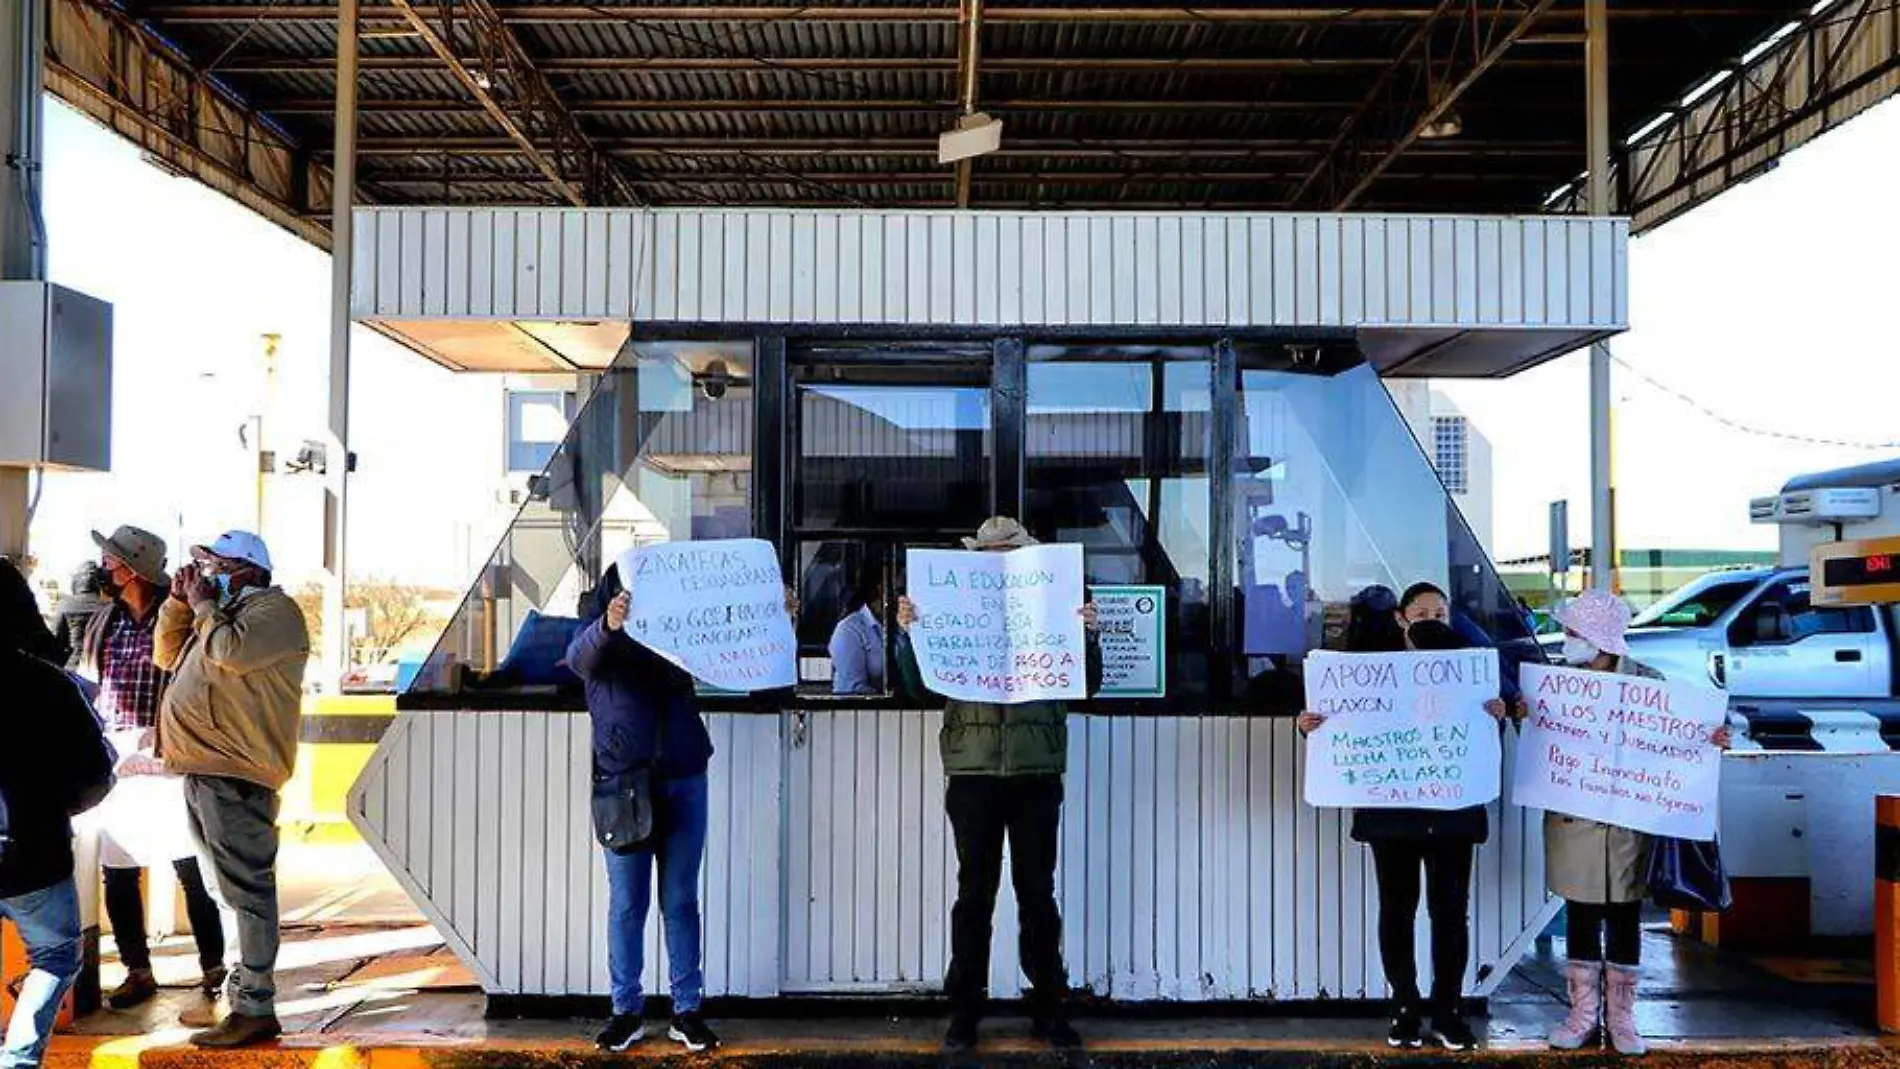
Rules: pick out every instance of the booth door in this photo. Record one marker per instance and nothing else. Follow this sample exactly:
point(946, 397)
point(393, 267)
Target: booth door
point(890, 448)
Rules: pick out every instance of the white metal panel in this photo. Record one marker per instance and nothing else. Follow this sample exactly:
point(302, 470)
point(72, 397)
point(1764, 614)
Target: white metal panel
point(1190, 869)
point(988, 268)
point(488, 833)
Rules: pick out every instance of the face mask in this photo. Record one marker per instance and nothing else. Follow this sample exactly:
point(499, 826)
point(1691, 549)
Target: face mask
point(224, 586)
point(1578, 651)
point(109, 588)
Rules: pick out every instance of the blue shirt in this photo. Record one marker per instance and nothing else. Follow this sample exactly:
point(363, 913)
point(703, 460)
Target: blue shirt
point(857, 654)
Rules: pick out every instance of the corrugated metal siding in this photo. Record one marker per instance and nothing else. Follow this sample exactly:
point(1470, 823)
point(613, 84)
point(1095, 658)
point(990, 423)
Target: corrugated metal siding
point(990, 268)
point(1190, 868)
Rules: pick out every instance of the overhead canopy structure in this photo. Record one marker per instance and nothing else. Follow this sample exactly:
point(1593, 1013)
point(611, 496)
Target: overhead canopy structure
point(1423, 105)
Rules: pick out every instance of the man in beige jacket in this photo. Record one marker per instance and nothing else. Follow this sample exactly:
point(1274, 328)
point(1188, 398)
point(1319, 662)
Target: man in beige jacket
point(236, 647)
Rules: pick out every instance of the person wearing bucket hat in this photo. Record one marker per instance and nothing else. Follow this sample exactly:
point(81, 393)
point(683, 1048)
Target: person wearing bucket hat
point(237, 647)
point(143, 822)
point(1004, 766)
point(1596, 868)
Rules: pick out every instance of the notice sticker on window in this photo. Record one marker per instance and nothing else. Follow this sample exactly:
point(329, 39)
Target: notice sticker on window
point(1134, 641)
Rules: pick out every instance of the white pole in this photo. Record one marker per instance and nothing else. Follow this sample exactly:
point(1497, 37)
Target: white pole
point(336, 646)
point(1602, 477)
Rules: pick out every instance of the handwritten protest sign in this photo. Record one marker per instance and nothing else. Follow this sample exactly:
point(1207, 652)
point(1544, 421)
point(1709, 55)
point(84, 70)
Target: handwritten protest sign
point(1134, 642)
point(1000, 627)
point(1623, 750)
point(715, 608)
point(1402, 730)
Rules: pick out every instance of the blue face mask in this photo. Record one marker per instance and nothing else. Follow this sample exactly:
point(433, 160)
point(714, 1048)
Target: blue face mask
point(224, 586)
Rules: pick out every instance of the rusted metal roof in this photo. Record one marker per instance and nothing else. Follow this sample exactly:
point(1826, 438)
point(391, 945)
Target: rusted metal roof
point(1137, 104)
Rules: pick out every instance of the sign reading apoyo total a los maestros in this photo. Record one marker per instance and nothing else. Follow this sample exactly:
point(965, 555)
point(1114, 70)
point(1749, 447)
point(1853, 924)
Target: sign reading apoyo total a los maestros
point(715, 608)
point(1402, 730)
point(1000, 627)
point(1623, 750)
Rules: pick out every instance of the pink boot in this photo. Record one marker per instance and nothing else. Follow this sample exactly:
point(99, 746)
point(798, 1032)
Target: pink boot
point(1586, 1002)
point(1623, 1034)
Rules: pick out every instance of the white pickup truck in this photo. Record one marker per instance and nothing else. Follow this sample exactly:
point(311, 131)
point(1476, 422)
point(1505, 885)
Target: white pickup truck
point(1755, 633)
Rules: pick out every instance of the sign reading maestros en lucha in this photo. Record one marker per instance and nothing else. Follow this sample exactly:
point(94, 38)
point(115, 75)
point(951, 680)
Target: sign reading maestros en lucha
point(1622, 750)
point(1000, 627)
point(1402, 730)
point(715, 608)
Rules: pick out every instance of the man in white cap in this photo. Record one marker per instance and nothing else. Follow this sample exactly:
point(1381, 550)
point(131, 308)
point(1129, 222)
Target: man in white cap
point(236, 647)
point(144, 822)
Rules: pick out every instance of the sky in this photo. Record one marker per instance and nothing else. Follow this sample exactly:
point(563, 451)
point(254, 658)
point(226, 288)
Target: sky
point(1772, 306)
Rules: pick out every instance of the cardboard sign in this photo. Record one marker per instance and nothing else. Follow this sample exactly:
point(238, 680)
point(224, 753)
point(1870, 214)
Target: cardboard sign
point(1402, 730)
point(1626, 751)
point(1000, 627)
point(715, 608)
point(1134, 640)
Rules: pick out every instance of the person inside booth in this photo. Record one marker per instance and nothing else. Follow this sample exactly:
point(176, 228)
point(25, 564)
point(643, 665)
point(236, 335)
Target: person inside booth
point(857, 643)
point(1004, 766)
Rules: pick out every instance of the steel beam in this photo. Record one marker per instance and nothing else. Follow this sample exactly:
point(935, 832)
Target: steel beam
point(579, 14)
point(1218, 148)
point(531, 114)
point(143, 88)
point(336, 477)
point(1602, 472)
point(270, 65)
point(1440, 102)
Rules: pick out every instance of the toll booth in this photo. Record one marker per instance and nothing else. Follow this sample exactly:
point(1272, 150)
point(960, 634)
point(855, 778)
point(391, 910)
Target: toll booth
point(1197, 399)
point(1798, 815)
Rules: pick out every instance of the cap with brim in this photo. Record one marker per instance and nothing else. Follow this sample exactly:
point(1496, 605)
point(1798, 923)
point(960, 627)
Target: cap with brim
point(1599, 618)
point(140, 550)
point(1000, 532)
point(240, 546)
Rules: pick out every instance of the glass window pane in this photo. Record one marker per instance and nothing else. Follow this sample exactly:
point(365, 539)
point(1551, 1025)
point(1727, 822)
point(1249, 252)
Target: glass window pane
point(1117, 461)
point(1332, 494)
point(883, 456)
point(661, 451)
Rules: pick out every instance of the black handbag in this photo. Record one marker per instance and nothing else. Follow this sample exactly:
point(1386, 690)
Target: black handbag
point(623, 804)
point(623, 809)
point(1685, 874)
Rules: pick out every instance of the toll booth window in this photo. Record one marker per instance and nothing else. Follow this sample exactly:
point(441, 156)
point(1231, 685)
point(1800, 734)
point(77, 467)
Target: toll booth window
point(661, 450)
point(1116, 451)
point(891, 453)
point(1331, 493)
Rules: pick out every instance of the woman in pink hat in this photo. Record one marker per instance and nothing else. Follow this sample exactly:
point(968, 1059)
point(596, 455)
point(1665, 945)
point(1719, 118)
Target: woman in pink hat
point(1596, 868)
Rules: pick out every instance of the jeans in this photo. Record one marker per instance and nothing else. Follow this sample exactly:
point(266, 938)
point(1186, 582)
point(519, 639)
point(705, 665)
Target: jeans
point(125, 904)
point(1585, 924)
point(679, 819)
point(984, 812)
point(1447, 870)
point(235, 823)
point(48, 921)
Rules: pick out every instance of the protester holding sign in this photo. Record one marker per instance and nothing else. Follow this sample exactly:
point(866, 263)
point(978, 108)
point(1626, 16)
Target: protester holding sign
point(1004, 763)
point(1405, 841)
point(645, 713)
point(1598, 869)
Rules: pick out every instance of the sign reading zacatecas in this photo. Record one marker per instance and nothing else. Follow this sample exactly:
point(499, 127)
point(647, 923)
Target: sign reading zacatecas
point(715, 608)
point(999, 627)
point(1622, 750)
point(1402, 730)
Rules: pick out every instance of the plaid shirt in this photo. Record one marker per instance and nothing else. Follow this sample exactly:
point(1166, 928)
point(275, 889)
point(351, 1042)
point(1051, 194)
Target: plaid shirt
point(129, 683)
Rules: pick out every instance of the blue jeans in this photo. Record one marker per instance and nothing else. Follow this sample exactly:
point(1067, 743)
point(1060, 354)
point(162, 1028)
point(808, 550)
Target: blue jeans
point(49, 926)
point(679, 813)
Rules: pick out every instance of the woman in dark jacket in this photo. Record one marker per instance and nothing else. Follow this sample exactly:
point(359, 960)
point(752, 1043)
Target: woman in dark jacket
point(645, 712)
point(1406, 842)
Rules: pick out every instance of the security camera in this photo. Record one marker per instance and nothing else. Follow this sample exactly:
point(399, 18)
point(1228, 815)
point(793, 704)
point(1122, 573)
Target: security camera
point(716, 379)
